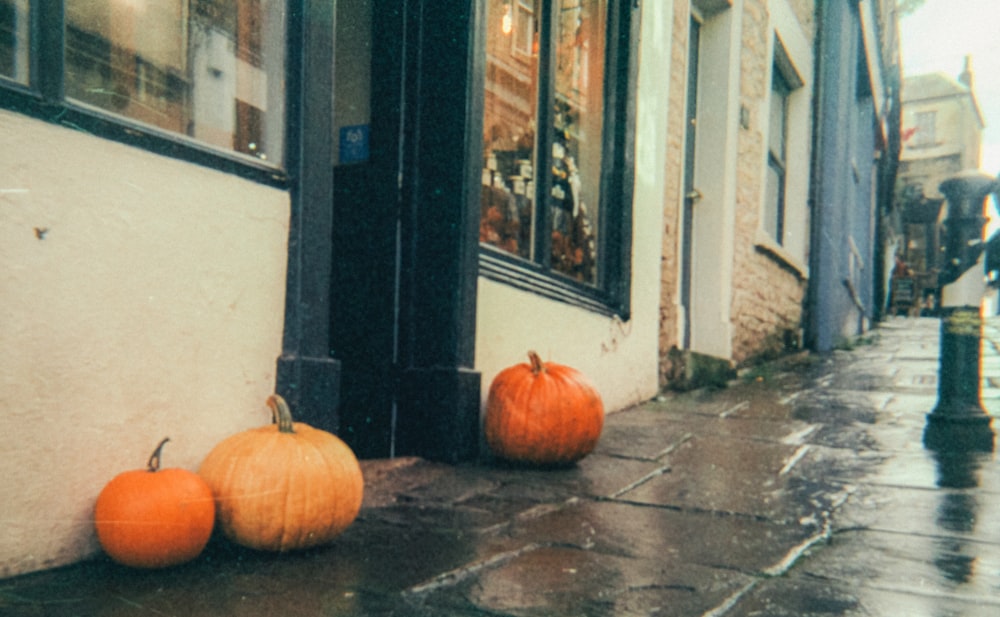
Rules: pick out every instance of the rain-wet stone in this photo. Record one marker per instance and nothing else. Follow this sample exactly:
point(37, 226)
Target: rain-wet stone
point(799, 597)
point(945, 575)
point(676, 538)
point(558, 580)
point(640, 434)
point(838, 407)
point(769, 481)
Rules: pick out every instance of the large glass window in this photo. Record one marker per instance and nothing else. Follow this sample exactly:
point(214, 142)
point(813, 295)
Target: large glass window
point(544, 131)
point(208, 69)
point(14, 43)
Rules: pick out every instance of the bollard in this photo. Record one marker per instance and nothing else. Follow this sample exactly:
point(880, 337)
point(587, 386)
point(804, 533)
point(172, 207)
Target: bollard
point(958, 421)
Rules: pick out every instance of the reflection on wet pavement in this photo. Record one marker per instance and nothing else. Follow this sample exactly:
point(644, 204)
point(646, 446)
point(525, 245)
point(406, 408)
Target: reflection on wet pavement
point(918, 537)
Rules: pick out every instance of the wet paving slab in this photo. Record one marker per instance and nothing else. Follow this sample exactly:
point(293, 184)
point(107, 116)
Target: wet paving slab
point(815, 596)
point(731, 478)
point(612, 558)
point(939, 574)
point(549, 580)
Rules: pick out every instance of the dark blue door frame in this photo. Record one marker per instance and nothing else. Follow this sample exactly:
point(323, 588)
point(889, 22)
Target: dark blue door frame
point(438, 392)
point(307, 374)
point(380, 328)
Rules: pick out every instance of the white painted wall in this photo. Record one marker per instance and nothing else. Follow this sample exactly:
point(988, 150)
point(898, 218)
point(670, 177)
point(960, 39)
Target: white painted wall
point(620, 358)
point(151, 306)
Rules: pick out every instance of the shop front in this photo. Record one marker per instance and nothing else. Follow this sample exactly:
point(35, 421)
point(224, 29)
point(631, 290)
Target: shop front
point(370, 207)
point(491, 209)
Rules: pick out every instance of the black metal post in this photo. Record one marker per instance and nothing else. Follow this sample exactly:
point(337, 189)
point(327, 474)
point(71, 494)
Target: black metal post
point(958, 421)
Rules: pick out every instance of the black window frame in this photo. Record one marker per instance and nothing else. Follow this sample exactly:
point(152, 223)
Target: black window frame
point(611, 294)
point(44, 98)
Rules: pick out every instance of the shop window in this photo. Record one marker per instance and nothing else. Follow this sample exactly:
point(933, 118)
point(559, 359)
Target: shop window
point(550, 161)
point(193, 73)
point(14, 20)
point(185, 66)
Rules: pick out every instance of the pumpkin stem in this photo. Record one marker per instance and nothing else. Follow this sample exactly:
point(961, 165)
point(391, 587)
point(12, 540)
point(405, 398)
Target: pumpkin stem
point(154, 460)
point(537, 366)
point(280, 413)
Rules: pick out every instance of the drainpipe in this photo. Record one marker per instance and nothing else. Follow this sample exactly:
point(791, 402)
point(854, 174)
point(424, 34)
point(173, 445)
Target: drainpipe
point(812, 337)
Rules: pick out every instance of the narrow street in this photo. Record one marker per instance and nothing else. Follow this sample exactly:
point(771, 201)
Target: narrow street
point(802, 489)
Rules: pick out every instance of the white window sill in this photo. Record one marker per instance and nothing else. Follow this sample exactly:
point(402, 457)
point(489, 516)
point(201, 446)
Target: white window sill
point(765, 244)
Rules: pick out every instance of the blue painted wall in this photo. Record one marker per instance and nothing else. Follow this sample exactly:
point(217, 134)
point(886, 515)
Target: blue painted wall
point(842, 261)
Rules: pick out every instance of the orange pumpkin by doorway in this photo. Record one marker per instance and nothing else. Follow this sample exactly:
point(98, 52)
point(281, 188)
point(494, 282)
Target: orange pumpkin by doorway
point(542, 413)
point(285, 486)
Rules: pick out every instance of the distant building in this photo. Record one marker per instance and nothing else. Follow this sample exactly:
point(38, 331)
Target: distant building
point(942, 135)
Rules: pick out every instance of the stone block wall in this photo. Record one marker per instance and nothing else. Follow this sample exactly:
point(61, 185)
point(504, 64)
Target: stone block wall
point(767, 292)
point(670, 263)
point(767, 315)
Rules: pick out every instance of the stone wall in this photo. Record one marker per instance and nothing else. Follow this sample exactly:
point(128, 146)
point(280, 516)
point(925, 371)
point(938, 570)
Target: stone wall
point(767, 294)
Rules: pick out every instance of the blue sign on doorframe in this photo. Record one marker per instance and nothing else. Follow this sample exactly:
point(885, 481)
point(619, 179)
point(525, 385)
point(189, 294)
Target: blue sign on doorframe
point(354, 143)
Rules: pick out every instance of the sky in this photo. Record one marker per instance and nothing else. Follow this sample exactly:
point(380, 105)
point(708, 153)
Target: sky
point(936, 38)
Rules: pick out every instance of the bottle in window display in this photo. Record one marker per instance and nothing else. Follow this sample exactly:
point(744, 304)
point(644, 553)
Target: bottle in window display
point(505, 203)
point(573, 250)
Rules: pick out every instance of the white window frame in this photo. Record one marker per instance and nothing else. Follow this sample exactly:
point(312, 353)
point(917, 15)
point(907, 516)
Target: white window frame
point(791, 50)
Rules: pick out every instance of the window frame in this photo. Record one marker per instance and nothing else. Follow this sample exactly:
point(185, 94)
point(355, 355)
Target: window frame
point(784, 67)
point(778, 161)
point(611, 293)
point(44, 98)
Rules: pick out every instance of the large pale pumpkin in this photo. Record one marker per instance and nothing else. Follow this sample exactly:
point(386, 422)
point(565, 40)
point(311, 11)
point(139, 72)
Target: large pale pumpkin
point(542, 413)
point(285, 486)
point(154, 518)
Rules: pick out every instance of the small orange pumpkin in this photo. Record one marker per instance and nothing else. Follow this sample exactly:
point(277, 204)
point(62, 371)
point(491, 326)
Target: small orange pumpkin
point(154, 518)
point(543, 414)
point(285, 486)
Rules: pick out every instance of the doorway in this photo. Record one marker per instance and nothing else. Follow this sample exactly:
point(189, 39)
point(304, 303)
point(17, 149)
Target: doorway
point(405, 254)
point(713, 121)
point(691, 194)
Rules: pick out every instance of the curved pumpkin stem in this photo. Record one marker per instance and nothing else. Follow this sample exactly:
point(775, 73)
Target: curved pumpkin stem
point(281, 414)
point(153, 464)
point(537, 366)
